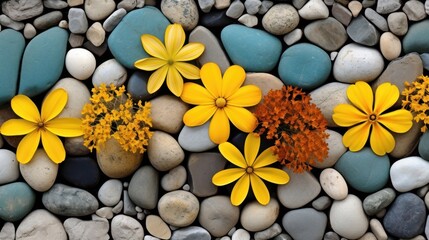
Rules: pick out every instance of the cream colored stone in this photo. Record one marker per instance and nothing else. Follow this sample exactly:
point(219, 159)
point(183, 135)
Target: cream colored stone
point(157, 227)
point(40, 173)
point(164, 152)
point(333, 184)
point(390, 46)
point(96, 34)
point(167, 113)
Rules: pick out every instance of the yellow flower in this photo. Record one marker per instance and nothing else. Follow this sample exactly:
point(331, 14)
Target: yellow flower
point(169, 60)
point(43, 126)
point(368, 116)
point(223, 99)
point(250, 170)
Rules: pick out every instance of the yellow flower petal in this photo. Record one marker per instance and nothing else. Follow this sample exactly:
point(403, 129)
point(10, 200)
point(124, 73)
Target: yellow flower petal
point(381, 140)
point(361, 95)
point(189, 52)
point(174, 81)
point(232, 80)
point(25, 108)
point(154, 47)
point(149, 64)
point(240, 190)
point(156, 79)
point(219, 127)
point(259, 189)
point(346, 115)
point(242, 118)
point(211, 77)
point(196, 94)
point(385, 96)
point(232, 154)
point(399, 121)
point(266, 158)
point(174, 39)
point(273, 175)
point(27, 147)
point(53, 146)
point(65, 127)
point(16, 127)
point(187, 70)
point(227, 176)
point(356, 137)
point(245, 96)
point(198, 115)
point(53, 104)
point(251, 148)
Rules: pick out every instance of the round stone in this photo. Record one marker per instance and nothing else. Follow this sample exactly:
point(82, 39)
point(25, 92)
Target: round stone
point(295, 221)
point(40, 173)
point(82, 172)
point(178, 208)
point(164, 152)
point(99, 9)
point(126, 227)
point(320, 32)
point(167, 113)
point(19, 199)
point(280, 19)
point(174, 179)
point(267, 215)
point(109, 72)
point(110, 192)
point(218, 216)
point(80, 63)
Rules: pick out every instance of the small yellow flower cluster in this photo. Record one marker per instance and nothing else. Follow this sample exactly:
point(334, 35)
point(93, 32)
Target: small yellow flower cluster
point(112, 113)
point(417, 99)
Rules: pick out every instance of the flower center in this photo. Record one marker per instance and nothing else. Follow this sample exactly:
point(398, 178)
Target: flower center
point(220, 102)
point(40, 124)
point(249, 170)
point(372, 117)
point(170, 62)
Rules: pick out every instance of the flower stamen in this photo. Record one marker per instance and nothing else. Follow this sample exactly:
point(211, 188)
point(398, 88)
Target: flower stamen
point(249, 170)
point(372, 117)
point(220, 102)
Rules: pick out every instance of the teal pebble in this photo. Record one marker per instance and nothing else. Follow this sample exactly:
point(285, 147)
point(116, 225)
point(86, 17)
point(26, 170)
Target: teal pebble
point(417, 38)
point(253, 49)
point(364, 170)
point(305, 66)
point(424, 146)
point(124, 41)
point(16, 201)
point(12, 46)
point(43, 61)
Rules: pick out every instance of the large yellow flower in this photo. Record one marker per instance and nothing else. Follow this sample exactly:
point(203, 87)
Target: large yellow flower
point(250, 170)
point(222, 99)
point(43, 126)
point(169, 60)
point(368, 116)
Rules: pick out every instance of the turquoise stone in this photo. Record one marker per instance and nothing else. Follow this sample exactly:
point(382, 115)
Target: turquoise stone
point(124, 41)
point(43, 61)
point(16, 201)
point(364, 170)
point(253, 49)
point(12, 45)
point(424, 146)
point(417, 38)
point(305, 66)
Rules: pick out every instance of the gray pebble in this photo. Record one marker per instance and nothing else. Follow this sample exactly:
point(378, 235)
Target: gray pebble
point(76, 40)
point(7, 22)
point(248, 20)
point(110, 192)
point(269, 233)
point(190, 233)
point(398, 23)
point(128, 5)
point(425, 59)
point(55, 4)
point(388, 6)
point(140, 216)
point(78, 23)
point(29, 31)
point(143, 189)
point(298, 4)
point(373, 203)
point(331, 236)
point(363, 32)
point(293, 37)
point(265, 6)
point(21, 10)
point(376, 19)
point(368, 3)
point(174, 179)
point(113, 20)
point(415, 10)
point(48, 20)
point(341, 13)
point(186, 187)
point(321, 203)
point(235, 10)
point(118, 208)
point(252, 6)
point(129, 206)
point(329, 2)
point(206, 5)
point(283, 236)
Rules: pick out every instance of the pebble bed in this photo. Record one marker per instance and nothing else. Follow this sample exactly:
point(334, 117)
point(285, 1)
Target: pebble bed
point(167, 193)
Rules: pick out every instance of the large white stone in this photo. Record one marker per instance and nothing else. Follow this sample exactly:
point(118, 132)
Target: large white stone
point(109, 72)
point(80, 63)
point(409, 173)
point(40, 173)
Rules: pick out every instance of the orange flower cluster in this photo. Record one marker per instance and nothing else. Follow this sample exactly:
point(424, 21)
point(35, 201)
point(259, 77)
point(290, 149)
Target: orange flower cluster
point(296, 125)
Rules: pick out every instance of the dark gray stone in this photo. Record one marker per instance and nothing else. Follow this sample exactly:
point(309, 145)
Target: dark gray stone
point(377, 201)
point(331, 236)
point(137, 86)
point(363, 32)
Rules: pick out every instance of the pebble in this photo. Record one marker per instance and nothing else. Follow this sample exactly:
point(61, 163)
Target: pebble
point(252, 6)
point(415, 40)
point(283, 236)
point(167, 113)
point(378, 201)
point(164, 152)
point(190, 233)
point(202, 167)
point(390, 46)
point(355, 7)
point(422, 148)
point(379, 21)
point(363, 32)
point(409, 173)
point(40, 173)
point(184, 12)
point(96, 34)
point(137, 86)
point(73, 3)
point(129, 206)
point(9, 167)
point(22, 10)
point(407, 142)
point(269, 233)
point(69, 201)
point(265, 82)
point(76, 40)
point(387, 6)
point(105, 212)
point(157, 227)
point(265, 6)
point(321, 203)
point(178, 208)
point(215, 19)
point(331, 236)
point(377, 229)
point(80, 63)
point(29, 31)
point(7, 22)
point(320, 32)
point(55, 4)
point(109, 72)
point(128, 5)
point(7, 232)
point(115, 162)
point(333, 184)
point(280, 19)
point(41, 224)
point(240, 234)
point(206, 5)
point(248, 20)
point(235, 10)
point(48, 20)
point(335, 150)
point(296, 223)
point(342, 14)
point(63, 24)
point(97, 10)
point(19, 199)
point(364, 170)
point(357, 63)
point(125, 227)
point(415, 10)
point(222, 4)
point(346, 213)
point(406, 217)
point(78, 96)
point(301, 189)
point(174, 179)
point(298, 4)
point(143, 188)
point(78, 23)
point(314, 9)
point(113, 20)
point(86, 230)
point(267, 215)
point(118, 208)
point(398, 23)
point(110, 192)
point(82, 172)
point(217, 215)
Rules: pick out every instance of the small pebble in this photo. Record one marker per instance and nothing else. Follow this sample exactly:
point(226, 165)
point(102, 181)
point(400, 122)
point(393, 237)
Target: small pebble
point(7, 22)
point(293, 37)
point(252, 6)
point(235, 10)
point(77, 21)
point(355, 7)
point(48, 20)
point(110, 23)
point(222, 4)
point(248, 20)
point(398, 23)
point(206, 5)
point(80, 63)
point(241, 234)
point(265, 6)
point(105, 212)
point(96, 34)
point(128, 5)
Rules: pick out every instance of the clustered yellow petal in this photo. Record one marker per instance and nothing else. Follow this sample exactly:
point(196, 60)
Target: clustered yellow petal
point(169, 59)
point(112, 113)
point(366, 117)
point(417, 100)
point(250, 171)
point(222, 99)
point(44, 126)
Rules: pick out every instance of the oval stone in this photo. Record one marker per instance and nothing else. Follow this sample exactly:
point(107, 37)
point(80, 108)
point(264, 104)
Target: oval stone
point(328, 34)
point(417, 38)
point(126, 227)
point(144, 186)
point(157, 227)
point(333, 184)
point(178, 208)
point(409, 173)
point(267, 215)
point(82, 172)
point(109, 72)
point(167, 113)
point(218, 215)
point(16, 201)
point(196, 139)
point(9, 167)
point(164, 152)
point(295, 223)
point(40, 173)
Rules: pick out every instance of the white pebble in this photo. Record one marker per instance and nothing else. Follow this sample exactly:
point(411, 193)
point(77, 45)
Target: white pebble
point(80, 63)
point(241, 234)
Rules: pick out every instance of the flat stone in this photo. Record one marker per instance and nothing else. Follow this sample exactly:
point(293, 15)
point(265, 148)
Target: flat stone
point(184, 12)
point(328, 33)
point(322, 203)
point(398, 23)
point(114, 19)
point(96, 34)
point(280, 19)
point(248, 20)
point(22, 10)
point(99, 9)
point(55, 4)
point(144, 187)
point(388, 6)
point(235, 10)
point(295, 223)
point(314, 9)
point(86, 230)
point(342, 14)
point(40, 173)
point(268, 215)
point(157, 227)
point(19, 199)
point(415, 40)
point(167, 113)
point(269, 233)
point(409, 173)
point(217, 215)
point(109, 72)
point(78, 23)
point(125, 227)
point(363, 32)
point(178, 208)
point(376, 19)
point(7, 22)
point(378, 201)
point(9, 167)
point(190, 233)
point(415, 10)
point(41, 224)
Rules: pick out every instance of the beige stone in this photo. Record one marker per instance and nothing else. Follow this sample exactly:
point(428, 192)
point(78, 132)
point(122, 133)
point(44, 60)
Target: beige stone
point(390, 46)
point(167, 113)
point(96, 34)
point(157, 227)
